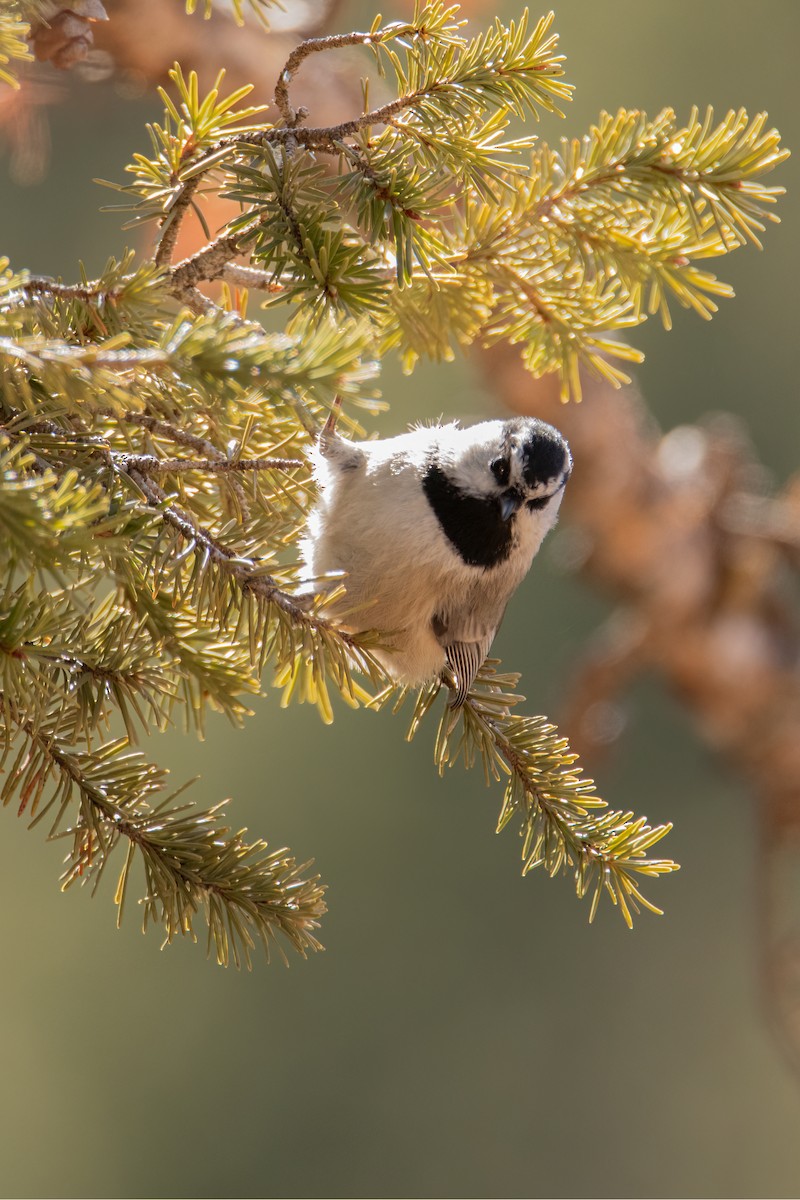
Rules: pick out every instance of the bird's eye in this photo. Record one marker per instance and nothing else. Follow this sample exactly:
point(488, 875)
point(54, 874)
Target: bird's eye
point(539, 501)
point(501, 469)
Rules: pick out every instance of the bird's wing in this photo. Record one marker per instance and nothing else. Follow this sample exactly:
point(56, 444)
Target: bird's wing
point(466, 643)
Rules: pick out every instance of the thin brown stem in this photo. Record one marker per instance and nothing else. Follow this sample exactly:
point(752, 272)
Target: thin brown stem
point(250, 277)
point(242, 570)
point(207, 263)
point(41, 285)
point(182, 437)
point(214, 261)
point(148, 464)
point(171, 225)
point(326, 136)
point(173, 433)
point(313, 46)
point(199, 304)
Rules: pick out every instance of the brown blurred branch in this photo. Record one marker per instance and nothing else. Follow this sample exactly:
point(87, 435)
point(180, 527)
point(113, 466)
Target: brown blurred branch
point(681, 531)
point(145, 37)
point(138, 44)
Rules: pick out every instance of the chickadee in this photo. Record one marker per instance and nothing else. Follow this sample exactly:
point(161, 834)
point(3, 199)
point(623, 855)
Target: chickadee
point(433, 531)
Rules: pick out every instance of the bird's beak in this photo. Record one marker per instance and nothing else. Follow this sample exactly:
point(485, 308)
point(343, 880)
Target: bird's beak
point(509, 504)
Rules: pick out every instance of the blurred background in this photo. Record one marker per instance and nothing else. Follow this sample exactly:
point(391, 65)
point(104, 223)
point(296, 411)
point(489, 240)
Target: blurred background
point(466, 1033)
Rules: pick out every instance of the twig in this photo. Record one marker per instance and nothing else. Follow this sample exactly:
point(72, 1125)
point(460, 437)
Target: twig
point(199, 304)
point(315, 45)
point(215, 461)
point(213, 261)
point(41, 285)
point(240, 569)
point(250, 277)
point(173, 219)
point(103, 821)
point(207, 263)
point(326, 136)
point(192, 441)
point(174, 433)
point(148, 464)
point(138, 468)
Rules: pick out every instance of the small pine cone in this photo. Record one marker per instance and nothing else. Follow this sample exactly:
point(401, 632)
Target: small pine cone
point(64, 35)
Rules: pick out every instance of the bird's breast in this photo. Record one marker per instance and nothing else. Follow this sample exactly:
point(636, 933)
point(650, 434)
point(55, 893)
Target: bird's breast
point(473, 525)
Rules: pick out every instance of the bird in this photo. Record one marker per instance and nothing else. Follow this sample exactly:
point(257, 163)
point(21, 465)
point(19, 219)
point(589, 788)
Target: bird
point(430, 533)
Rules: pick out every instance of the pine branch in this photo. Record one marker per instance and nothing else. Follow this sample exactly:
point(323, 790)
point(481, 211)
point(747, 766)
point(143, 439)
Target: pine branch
point(152, 441)
point(250, 579)
point(253, 580)
point(46, 519)
point(184, 437)
point(98, 659)
point(192, 863)
point(589, 241)
point(14, 30)
point(444, 75)
point(222, 584)
point(565, 824)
